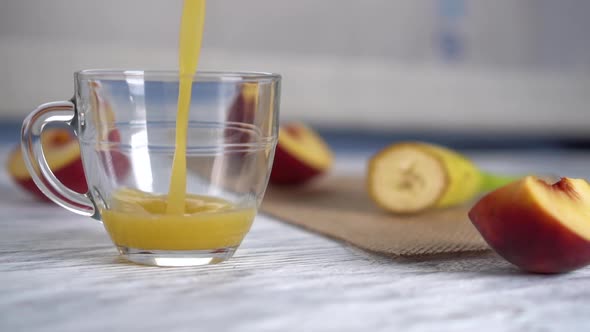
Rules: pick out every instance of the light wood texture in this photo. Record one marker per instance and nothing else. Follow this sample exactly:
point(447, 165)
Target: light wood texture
point(59, 272)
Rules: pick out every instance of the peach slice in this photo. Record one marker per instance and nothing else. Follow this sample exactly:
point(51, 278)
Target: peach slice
point(301, 155)
point(113, 160)
point(62, 152)
point(244, 107)
point(536, 226)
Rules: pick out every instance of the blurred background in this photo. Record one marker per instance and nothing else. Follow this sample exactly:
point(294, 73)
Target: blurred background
point(465, 71)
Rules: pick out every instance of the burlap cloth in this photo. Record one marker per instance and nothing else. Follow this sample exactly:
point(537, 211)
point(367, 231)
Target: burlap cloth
point(338, 207)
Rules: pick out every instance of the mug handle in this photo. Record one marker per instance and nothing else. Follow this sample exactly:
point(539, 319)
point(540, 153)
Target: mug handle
point(63, 112)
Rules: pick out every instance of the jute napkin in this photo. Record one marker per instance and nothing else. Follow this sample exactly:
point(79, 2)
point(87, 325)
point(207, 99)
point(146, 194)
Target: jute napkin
point(338, 207)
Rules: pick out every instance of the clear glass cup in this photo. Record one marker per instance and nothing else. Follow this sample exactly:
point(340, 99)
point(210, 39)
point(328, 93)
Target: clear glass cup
point(125, 122)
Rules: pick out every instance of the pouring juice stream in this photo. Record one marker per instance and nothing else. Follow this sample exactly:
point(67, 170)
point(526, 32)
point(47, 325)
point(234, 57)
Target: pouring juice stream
point(178, 221)
point(191, 35)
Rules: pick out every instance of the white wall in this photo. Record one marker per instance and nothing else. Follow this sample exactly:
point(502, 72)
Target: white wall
point(377, 63)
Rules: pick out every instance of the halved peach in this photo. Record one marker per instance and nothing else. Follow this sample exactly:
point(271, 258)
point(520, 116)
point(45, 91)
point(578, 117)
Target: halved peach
point(244, 107)
point(301, 155)
point(537, 226)
point(113, 160)
point(62, 152)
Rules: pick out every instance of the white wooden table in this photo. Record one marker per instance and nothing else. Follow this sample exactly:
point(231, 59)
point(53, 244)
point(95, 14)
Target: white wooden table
point(59, 272)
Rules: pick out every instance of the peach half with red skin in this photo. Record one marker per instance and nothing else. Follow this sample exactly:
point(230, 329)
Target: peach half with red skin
point(62, 153)
point(536, 226)
point(300, 156)
point(243, 109)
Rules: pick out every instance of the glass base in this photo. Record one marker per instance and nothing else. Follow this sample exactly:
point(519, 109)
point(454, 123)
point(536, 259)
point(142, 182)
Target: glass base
point(172, 258)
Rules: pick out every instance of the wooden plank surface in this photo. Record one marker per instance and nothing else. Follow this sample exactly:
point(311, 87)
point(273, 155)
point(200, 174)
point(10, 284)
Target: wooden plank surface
point(59, 272)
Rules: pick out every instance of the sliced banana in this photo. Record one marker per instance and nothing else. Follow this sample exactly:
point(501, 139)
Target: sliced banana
point(404, 179)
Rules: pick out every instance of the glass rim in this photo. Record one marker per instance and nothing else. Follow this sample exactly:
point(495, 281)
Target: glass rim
point(168, 75)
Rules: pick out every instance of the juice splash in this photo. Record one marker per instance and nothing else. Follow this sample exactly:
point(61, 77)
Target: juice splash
point(191, 36)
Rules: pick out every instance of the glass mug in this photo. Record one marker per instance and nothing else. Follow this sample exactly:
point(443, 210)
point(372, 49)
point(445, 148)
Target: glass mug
point(125, 122)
